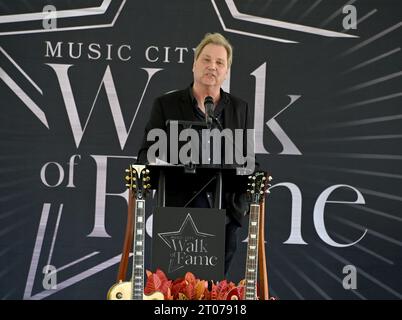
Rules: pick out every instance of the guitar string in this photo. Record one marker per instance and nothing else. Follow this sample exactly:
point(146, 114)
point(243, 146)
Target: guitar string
point(251, 264)
point(138, 260)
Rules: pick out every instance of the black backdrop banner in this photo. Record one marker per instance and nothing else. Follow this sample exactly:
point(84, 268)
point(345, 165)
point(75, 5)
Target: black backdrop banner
point(77, 80)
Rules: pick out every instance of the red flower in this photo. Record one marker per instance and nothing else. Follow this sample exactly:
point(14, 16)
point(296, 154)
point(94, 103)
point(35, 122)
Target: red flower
point(191, 288)
point(158, 282)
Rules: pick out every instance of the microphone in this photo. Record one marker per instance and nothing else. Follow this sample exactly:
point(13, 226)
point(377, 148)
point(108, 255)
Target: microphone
point(209, 112)
point(209, 109)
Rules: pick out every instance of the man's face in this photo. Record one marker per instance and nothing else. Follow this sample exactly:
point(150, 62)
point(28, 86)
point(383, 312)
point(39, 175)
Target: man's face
point(211, 67)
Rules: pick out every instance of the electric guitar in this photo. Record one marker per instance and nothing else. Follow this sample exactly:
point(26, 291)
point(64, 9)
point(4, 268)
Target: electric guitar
point(257, 188)
point(137, 181)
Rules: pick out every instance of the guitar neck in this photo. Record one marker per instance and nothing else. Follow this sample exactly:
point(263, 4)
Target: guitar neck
point(138, 250)
point(252, 254)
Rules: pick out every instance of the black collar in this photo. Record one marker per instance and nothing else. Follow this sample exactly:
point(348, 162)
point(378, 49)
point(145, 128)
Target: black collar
point(223, 104)
point(224, 96)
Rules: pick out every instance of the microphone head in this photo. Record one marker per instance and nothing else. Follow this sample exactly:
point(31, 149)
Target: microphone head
point(209, 104)
point(208, 100)
point(209, 109)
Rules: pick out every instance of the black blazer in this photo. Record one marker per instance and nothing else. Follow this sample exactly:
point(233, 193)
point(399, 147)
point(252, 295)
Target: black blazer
point(177, 105)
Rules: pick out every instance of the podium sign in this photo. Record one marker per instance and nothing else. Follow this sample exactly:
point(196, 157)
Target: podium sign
point(189, 239)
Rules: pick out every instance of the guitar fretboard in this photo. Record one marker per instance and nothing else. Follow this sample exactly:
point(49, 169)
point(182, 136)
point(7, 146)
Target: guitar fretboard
point(138, 251)
point(250, 292)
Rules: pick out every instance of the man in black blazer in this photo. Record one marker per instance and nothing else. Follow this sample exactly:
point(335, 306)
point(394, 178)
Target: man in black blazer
point(213, 58)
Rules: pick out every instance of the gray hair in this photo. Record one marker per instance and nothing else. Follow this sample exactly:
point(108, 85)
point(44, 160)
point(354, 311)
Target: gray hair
point(218, 39)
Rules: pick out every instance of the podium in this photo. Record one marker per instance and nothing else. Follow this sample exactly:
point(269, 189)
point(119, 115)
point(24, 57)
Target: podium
point(204, 177)
point(228, 177)
point(187, 238)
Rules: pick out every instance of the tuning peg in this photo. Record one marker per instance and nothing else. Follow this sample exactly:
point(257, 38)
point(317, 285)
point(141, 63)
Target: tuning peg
point(148, 186)
point(146, 171)
point(254, 178)
point(127, 170)
point(264, 178)
point(250, 177)
point(267, 191)
point(270, 178)
point(127, 185)
point(127, 178)
point(252, 191)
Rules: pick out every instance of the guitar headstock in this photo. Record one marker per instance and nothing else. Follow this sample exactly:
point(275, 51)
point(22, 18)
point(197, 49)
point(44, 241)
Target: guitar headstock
point(258, 186)
point(137, 180)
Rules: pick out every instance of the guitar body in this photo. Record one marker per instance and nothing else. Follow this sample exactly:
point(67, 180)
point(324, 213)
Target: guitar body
point(123, 291)
point(234, 294)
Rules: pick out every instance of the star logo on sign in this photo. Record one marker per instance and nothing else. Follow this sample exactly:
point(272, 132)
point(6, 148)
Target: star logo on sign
point(177, 240)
